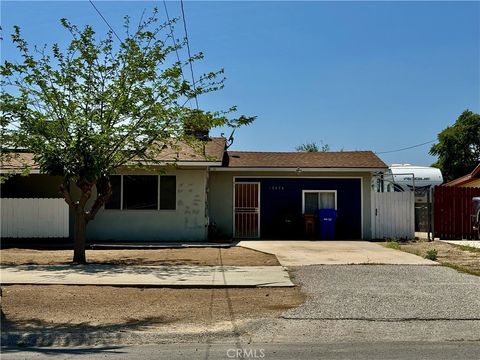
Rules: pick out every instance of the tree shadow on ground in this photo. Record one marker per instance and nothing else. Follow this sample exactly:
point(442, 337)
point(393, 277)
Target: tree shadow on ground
point(56, 272)
point(21, 335)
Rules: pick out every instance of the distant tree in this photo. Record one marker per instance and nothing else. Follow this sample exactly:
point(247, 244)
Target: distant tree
point(313, 147)
point(458, 147)
point(97, 105)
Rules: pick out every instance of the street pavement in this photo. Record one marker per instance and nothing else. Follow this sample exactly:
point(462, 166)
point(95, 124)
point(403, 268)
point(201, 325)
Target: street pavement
point(351, 312)
point(379, 303)
point(286, 351)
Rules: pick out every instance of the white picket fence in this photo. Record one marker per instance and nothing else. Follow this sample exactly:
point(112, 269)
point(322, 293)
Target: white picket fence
point(393, 215)
point(34, 218)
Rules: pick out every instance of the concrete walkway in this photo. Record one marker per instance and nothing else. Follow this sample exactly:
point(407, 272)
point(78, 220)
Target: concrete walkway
point(469, 243)
point(154, 276)
point(298, 253)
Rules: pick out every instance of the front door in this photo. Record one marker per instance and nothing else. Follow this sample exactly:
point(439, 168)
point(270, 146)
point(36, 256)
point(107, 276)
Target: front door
point(247, 210)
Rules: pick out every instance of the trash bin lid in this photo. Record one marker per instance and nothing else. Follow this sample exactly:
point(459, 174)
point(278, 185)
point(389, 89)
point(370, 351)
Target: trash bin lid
point(327, 213)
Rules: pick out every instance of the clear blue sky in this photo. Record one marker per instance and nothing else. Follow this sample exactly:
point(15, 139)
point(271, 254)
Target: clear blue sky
point(358, 76)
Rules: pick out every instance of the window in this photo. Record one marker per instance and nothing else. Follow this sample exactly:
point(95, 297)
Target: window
point(168, 192)
point(311, 203)
point(141, 192)
point(314, 200)
point(115, 199)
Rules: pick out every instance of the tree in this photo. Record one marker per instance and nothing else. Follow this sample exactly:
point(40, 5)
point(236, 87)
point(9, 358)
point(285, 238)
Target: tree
point(458, 147)
point(94, 106)
point(313, 147)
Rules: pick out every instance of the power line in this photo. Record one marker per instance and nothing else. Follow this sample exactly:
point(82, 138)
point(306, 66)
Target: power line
point(106, 22)
point(173, 38)
point(188, 49)
point(174, 44)
point(406, 148)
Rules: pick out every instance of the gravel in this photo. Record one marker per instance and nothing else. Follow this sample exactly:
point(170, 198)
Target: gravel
point(379, 303)
point(384, 292)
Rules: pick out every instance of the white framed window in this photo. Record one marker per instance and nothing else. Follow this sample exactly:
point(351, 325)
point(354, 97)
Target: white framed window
point(313, 200)
point(143, 192)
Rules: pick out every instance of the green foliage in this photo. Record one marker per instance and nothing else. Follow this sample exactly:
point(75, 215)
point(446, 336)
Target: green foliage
point(431, 254)
point(392, 245)
point(96, 105)
point(313, 147)
point(458, 147)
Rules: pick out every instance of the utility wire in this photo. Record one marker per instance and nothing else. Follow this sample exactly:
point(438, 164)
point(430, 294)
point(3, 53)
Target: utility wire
point(175, 45)
point(106, 22)
point(406, 148)
point(173, 38)
point(188, 49)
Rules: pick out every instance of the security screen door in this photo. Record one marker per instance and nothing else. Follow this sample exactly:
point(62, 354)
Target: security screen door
point(247, 210)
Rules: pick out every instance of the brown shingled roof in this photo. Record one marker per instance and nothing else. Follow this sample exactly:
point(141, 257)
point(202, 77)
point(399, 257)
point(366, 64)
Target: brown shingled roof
point(178, 151)
point(342, 159)
point(17, 161)
point(181, 151)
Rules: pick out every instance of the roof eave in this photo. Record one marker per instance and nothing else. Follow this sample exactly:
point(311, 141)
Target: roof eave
point(301, 169)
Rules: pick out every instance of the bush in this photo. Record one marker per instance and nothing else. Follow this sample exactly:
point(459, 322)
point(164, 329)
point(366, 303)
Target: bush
point(392, 245)
point(431, 254)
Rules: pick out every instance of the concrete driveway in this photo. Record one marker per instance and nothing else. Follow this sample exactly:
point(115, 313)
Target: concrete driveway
point(469, 243)
point(299, 253)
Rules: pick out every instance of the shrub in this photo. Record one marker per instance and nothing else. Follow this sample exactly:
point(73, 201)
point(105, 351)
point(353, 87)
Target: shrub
point(431, 254)
point(392, 245)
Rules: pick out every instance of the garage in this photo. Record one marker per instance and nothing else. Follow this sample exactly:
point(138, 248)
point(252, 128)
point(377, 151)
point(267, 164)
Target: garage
point(279, 208)
point(278, 195)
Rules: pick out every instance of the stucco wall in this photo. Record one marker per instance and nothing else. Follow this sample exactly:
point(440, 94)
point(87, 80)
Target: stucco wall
point(221, 196)
point(186, 223)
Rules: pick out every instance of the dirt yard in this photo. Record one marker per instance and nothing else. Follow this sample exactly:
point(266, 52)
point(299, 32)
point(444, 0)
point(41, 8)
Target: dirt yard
point(458, 257)
point(234, 256)
point(90, 308)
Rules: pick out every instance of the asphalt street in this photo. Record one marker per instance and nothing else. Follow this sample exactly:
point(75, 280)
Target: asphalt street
point(287, 351)
point(351, 312)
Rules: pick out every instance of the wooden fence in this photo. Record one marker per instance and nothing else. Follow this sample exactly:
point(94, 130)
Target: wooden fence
point(452, 207)
point(34, 218)
point(393, 215)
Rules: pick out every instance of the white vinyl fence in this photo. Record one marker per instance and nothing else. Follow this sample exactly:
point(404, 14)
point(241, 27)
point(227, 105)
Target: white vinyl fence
point(35, 218)
point(393, 215)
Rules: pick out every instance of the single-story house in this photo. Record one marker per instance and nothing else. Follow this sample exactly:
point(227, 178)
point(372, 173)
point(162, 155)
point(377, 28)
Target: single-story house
point(469, 180)
point(191, 195)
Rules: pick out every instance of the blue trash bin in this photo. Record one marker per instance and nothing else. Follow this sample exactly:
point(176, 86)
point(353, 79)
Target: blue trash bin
point(326, 221)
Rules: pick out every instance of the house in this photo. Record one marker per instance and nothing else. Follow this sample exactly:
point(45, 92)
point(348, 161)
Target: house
point(469, 180)
point(188, 194)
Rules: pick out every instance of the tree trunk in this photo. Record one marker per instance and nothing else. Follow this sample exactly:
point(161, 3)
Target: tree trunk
point(79, 238)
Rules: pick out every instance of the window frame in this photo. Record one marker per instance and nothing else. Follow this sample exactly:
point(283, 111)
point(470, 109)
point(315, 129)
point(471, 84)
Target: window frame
point(158, 194)
point(318, 197)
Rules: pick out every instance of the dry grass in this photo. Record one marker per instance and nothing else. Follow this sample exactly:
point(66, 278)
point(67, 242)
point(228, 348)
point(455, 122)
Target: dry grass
point(235, 256)
point(460, 258)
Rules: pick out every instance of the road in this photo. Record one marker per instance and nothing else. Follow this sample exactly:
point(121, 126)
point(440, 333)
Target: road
point(342, 351)
point(352, 312)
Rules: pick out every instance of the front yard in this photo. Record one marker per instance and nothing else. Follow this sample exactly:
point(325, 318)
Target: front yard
point(80, 315)
point(60, 314)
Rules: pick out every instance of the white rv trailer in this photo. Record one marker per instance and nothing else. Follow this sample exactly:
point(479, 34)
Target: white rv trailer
point(407, 177)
